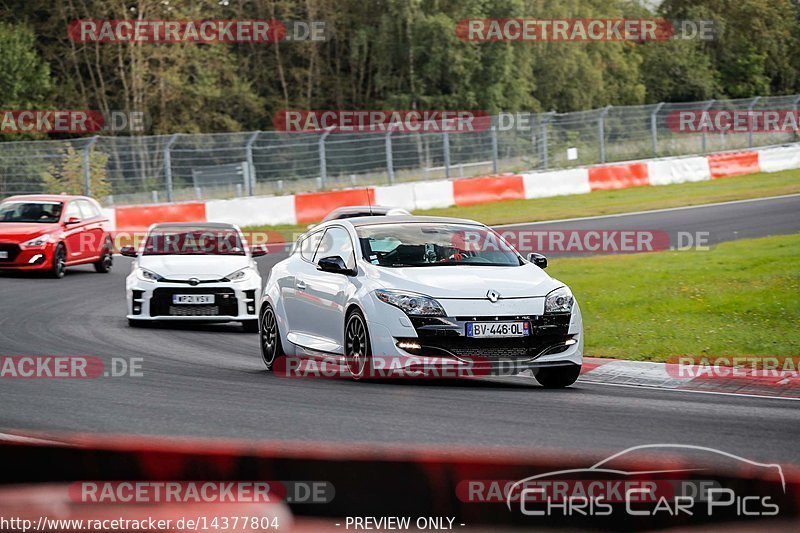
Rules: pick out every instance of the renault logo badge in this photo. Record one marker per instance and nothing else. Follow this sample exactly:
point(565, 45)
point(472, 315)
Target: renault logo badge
point(493, 296)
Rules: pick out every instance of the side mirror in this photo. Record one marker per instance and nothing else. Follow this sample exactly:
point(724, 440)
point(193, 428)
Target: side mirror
point(72, 220)
point(128, 251)
point(538, 259)
point(258, 250)
point(334, 265)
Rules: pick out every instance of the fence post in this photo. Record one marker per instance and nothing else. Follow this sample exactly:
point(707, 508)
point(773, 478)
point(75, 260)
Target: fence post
point(168, 165)
point(794, 105)
point(493, 133)
point(654, 127)
point(705, 135)
point(543, 134)
point(601, 130)
point(389, 160)
point(323, 166)
point(251, 182)
point(87, 173)
point(446, 149)
point(750, 119)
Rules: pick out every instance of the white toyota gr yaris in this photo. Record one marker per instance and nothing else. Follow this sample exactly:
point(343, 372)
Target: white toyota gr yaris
point(415, 290)
point(200, 271)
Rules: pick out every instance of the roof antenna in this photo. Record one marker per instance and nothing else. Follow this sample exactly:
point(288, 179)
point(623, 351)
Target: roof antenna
point(369, 200)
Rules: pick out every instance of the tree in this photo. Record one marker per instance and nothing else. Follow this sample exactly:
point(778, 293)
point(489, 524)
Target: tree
point(67, 176)
point(24, 76)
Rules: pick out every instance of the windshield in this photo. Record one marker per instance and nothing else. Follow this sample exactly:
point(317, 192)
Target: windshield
point(428, 244)
point(38, 212)
point(193, 241)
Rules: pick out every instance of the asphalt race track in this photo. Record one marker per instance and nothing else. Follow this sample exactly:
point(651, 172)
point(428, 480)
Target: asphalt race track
point(210, 382)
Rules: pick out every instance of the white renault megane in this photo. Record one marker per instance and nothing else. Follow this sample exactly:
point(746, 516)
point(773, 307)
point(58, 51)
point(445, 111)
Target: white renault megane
point(357, 291)
point(194, 271)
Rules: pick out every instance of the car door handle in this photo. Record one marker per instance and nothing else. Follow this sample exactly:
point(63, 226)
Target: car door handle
point(300, 285)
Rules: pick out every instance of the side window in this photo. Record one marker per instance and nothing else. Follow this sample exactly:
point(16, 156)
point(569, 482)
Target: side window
point(309, 245)
point(337, 242)
point(87, 210)
point(73, 211)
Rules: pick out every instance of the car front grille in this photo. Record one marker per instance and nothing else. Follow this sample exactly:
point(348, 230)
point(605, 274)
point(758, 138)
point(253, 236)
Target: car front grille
point(225, 303)
point(13, 251)
point(193, 310)
point(445, 336)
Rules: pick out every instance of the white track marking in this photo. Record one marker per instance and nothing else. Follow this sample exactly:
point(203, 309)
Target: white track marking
point(737, 394)
point(631, 213)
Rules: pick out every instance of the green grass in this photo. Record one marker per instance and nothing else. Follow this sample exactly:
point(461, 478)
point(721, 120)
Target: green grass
point(740, 298)
point(627, 200)
point(610, 202)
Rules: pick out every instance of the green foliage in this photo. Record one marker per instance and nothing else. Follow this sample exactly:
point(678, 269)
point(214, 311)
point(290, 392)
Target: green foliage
point(67, 175)
point(24, 76)
point(387, 54)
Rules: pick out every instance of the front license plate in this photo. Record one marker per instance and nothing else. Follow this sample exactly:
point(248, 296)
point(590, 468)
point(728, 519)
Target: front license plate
point(3, 255)
point(193, 299)
point(498, 329)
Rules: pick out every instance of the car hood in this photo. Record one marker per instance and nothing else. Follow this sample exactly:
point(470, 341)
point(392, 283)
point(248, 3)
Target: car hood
point(198, 266)
point(18, 232)
point(468, 281)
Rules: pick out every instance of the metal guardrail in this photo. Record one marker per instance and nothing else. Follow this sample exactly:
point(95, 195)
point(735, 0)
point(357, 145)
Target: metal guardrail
point(179, 167)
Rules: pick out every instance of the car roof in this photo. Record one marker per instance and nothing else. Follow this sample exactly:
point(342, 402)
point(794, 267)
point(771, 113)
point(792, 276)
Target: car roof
point(178, 225)
point(357, 210)
point(47, 197)
point(407, 219)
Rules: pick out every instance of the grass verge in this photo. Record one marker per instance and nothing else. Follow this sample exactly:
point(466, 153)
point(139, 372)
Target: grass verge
point(611, 202)
point(627, 200)
point(741, 298)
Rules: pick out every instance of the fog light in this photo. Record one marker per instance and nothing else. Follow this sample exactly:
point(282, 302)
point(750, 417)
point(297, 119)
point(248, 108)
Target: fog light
point(570, 342)
point(251, 309)
point(36, 259)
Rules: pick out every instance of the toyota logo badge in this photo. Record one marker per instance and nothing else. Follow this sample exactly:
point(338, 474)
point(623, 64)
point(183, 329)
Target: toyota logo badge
point(194, 281)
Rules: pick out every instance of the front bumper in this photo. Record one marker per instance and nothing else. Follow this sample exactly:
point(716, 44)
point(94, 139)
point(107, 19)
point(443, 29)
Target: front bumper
point(412, 343)
point(233, 302)
point(26, 258)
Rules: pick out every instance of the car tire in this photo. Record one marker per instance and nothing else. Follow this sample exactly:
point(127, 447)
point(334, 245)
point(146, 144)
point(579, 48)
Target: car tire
point(357, 348)
point(269, 337)
point(106, 261)
point(59, 265)
point(557, 377)
point(250, 326)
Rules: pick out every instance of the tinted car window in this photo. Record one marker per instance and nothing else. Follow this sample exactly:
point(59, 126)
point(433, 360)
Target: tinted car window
point(40, 212)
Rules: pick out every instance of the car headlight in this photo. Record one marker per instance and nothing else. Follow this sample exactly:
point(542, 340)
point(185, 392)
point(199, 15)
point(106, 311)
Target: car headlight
point(38, 242)
point(411, 303)
point(243, 274)
point(559, 301)
point(147, 275)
